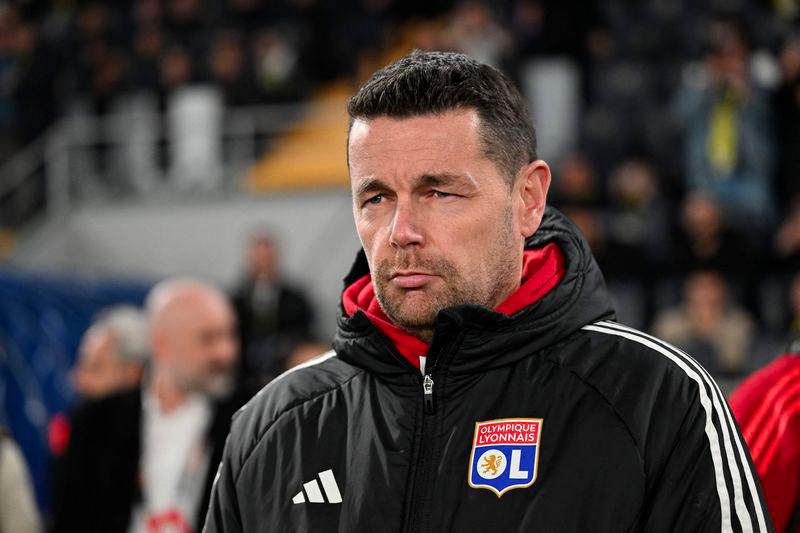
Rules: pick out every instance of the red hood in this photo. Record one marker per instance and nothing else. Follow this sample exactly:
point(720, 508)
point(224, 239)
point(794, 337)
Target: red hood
point(542, 269)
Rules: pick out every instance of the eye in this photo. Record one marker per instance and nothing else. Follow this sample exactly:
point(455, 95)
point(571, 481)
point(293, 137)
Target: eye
point(443, 194)
point(374, 200)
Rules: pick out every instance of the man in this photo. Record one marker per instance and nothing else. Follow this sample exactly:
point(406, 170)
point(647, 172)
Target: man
point(111, 358)
point(143, 460)
point(477, 382)
point(112, 353)
point(767, 407)
point(272, 315)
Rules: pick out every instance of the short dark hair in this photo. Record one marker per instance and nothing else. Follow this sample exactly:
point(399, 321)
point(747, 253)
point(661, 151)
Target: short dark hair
point(427, 83)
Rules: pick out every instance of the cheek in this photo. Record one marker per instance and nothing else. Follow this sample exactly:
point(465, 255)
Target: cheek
point(372, 235)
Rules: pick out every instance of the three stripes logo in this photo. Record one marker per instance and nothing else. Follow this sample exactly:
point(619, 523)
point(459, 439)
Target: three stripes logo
point(311, 492)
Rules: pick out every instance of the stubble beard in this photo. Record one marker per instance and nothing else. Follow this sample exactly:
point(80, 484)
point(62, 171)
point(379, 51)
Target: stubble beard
point(215, 384)
point(493, 282)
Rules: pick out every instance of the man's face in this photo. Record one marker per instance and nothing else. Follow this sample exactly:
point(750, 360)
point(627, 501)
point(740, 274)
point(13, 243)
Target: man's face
point(99, 371)
point(438, 221)
point(262, 259)
point(198, 344)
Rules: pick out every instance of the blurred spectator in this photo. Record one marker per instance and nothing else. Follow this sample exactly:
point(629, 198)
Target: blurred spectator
point(28, 70)
point(705, 242)
point(148, 42)
point(229, 70)
point(188, 25)
point(575, 184)
point(713, 329)
point(768, 411)
point(147, 12)
point(728, 137)
point(278, 72)
point(144, 460)
point(577, 193)
point(786, 244)
point(474, 30)
point(112, 354)
point(111, 358)
point(176, 69)
point(527, 26)
point(787, 113)
point(637, 221)
point(18, 512)
point(272, 314)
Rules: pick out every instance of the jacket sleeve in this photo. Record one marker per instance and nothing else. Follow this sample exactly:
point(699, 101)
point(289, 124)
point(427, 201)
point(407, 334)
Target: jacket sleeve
point(706, 481)
point(223, 508)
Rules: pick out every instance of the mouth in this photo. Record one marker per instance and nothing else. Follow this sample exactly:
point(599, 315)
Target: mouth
point(410, 279)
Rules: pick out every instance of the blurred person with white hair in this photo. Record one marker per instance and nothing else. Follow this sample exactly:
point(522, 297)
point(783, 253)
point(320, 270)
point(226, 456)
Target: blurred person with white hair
point(111, 358)
point(143, 460)
point(112, 353)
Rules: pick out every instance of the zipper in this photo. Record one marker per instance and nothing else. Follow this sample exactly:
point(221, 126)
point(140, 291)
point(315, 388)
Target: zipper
point(416, 517)
point(422, 463)
point(427, 393)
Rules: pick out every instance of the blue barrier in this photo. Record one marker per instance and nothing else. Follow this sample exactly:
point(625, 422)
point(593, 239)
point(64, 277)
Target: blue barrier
point(42, 319)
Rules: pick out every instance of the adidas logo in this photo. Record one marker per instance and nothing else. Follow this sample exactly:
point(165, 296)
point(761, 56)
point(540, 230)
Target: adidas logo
point(314, 493)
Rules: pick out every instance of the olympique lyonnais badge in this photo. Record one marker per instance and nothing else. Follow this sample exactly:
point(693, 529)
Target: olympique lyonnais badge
point(505, 454)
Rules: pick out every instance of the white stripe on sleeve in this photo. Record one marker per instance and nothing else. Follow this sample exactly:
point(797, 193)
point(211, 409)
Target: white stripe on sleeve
point(709, 404)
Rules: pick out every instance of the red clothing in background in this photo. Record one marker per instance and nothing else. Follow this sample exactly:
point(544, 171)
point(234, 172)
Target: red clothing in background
point(767, 406)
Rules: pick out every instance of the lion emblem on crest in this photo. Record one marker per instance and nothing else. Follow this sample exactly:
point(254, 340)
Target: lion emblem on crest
point(491, 463)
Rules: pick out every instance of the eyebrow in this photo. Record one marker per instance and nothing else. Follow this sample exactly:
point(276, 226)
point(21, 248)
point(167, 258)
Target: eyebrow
point(371, 185)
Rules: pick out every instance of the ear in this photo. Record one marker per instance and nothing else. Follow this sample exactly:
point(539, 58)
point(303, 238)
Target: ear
point(533, 182)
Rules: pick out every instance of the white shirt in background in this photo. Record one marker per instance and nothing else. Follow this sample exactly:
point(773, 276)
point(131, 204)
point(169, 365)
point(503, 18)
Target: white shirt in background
point(173, 465)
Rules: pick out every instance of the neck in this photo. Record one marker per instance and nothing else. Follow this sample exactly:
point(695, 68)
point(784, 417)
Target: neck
point(168, 394)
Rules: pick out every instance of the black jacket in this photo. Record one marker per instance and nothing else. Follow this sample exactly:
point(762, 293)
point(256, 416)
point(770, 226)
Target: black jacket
point(97, 479)
point(631, 434)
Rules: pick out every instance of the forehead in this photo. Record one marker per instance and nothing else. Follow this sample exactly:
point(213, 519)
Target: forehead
point(196, 309)
point(440, 142)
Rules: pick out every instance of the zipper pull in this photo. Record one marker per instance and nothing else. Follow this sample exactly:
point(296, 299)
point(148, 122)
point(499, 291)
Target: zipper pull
point(427, 393)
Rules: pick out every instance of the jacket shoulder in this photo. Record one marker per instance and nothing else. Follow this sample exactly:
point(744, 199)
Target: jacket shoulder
point(650, 384)
point(305, 383)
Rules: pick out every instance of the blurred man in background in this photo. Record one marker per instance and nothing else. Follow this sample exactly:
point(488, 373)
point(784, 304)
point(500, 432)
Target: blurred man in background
point(143, 460)
point(273, 316)
point(111, 358)
point(113, 353)
point(709, 325)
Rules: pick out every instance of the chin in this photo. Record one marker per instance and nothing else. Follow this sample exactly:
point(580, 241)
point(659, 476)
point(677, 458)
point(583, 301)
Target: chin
point(219, 387)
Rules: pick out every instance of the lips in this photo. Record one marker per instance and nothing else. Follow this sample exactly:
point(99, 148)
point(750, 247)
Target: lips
point(411, 280)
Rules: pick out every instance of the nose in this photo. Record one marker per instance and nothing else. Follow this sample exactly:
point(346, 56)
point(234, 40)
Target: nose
point(406, 226)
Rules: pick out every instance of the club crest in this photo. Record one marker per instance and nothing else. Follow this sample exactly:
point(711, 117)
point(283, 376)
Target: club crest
point(505, 454)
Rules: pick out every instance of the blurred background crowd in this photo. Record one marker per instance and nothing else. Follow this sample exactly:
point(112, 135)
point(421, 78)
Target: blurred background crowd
point(141, 139)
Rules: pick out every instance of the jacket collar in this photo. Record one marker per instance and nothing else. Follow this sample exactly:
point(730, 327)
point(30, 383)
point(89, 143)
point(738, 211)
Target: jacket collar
point(470, 338)
point(542, 269)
